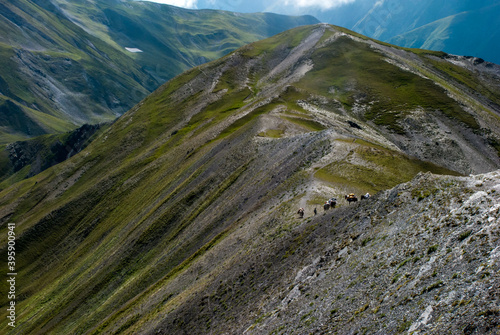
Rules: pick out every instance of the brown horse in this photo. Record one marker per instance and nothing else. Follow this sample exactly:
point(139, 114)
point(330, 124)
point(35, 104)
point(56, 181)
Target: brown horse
point(351, 198)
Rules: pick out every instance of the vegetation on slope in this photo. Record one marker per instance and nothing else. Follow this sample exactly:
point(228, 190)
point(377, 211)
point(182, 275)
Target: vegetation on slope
point(24, 159)
point(180, 217)
point(67, 63)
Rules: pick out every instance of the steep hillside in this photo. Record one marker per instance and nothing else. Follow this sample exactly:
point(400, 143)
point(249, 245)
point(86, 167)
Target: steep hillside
point(180, 218)
point(172, 39)
point(52, 69)
point(65, 63)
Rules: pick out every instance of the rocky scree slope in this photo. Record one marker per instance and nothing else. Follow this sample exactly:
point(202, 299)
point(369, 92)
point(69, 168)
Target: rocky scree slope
point(420, 258)
point(180, 217)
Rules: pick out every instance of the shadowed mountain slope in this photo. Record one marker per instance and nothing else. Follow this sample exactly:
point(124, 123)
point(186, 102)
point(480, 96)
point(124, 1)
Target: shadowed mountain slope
point(180, 218)
point(462, 34)
point(24, 159)
point(462, 27)
point(66, 63)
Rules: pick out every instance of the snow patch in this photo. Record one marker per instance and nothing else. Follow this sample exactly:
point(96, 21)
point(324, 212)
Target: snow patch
point(134, 50)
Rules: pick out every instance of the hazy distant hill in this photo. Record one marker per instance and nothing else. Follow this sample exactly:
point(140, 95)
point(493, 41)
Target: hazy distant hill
point(463, 27)
point(181, 217)
point(475, 33)
point(389, 18)
point(64, 63)
point(386, 19)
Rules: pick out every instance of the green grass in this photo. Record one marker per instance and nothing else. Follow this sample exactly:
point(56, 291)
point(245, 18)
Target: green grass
point(351, 67)
point(288, 39)
point(463, 76)
point(115, 79)
point(8, 137)
point(243, 121)
point(272, 133)
point(381, 169)
point(310, 125)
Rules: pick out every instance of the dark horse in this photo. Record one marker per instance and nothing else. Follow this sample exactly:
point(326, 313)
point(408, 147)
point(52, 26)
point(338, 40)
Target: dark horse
point(351, 198)
point(332, 202)
point(326, 206)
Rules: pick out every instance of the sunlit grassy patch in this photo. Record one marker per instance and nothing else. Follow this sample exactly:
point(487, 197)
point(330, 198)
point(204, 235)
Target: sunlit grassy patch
point(305, 123)
point(272, 133)
point(352, 67)
point(375, 169)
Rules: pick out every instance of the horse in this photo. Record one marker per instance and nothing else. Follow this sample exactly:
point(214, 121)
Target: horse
point(351, 198)
point(301, 212)
point(332, 202)
point(326, 206)
point(365, 196)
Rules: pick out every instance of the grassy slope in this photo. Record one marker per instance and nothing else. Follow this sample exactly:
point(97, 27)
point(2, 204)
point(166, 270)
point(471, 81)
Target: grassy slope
point(371, 168)
point(25, 159)
point(63, 72)
point(395, 90)
point(170, 42)
point(70, 61)
point(140, 222)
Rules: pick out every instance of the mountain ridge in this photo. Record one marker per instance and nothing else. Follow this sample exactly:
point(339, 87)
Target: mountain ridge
point(181, 216)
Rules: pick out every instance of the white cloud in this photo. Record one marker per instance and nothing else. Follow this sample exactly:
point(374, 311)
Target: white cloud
point(322, 4)
point(178, 3)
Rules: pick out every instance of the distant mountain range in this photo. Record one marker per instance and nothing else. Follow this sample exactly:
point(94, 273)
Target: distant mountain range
point(463, 27)
point(181, 216)
point(470, 27)
point(475, 33)
point(64, 63)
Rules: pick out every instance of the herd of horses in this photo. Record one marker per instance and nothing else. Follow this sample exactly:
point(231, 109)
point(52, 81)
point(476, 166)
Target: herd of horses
point(332, 203)
point(349, 198)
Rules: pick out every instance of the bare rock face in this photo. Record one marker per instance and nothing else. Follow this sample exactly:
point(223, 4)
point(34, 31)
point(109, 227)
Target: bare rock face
point(422, 257)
